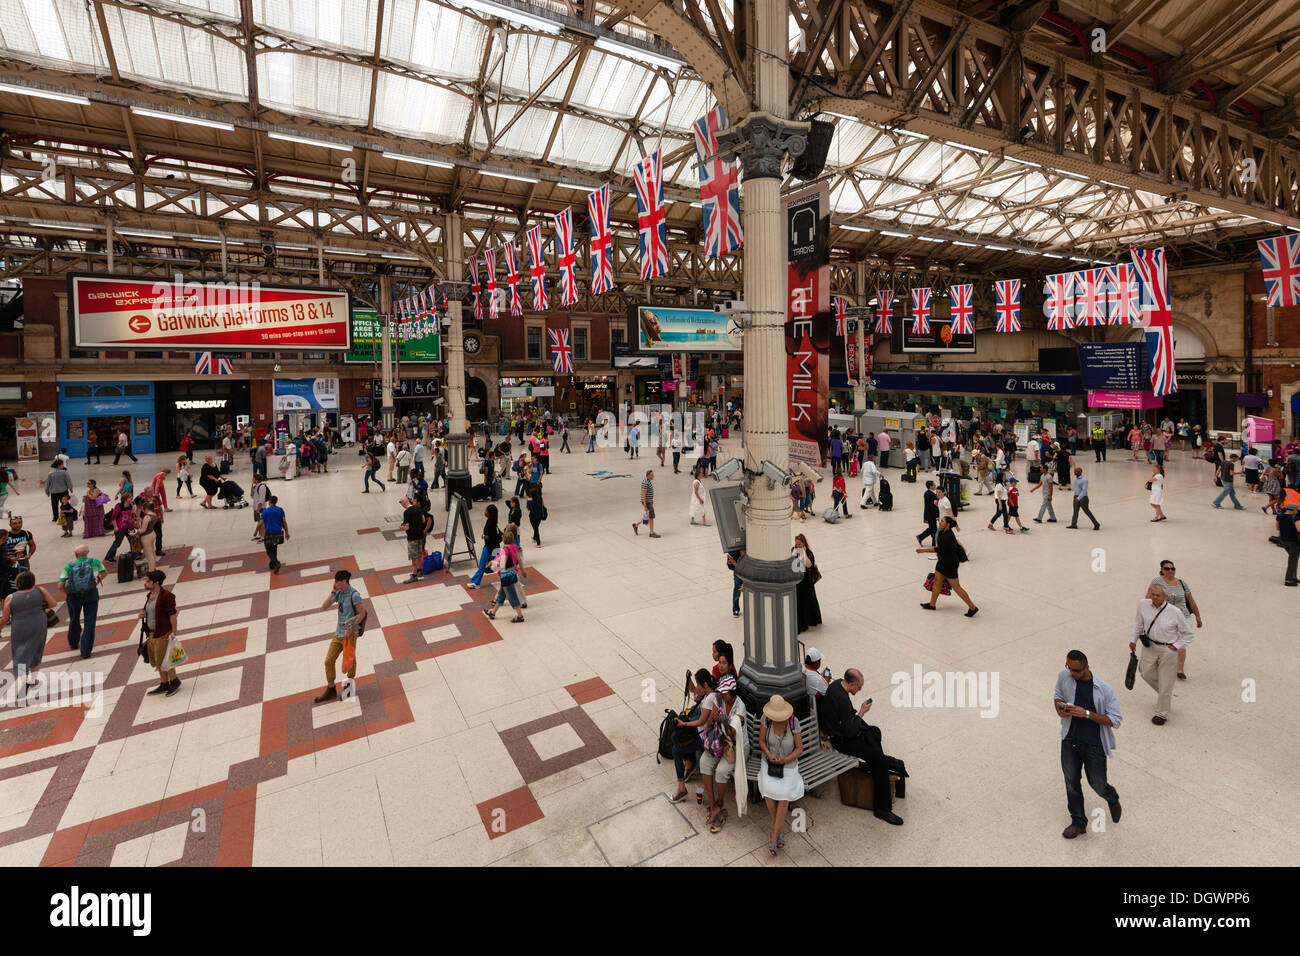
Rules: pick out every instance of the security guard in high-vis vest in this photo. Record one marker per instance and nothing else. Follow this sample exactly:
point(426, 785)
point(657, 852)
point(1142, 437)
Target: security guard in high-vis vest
point(1099, 442)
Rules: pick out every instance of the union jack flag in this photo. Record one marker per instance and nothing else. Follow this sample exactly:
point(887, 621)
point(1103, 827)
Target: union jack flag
point(1090, 297)
point(719, 188)
point(490, 266)
point(537, 267)
point(884, 311)
point(602, 241)
point(963, 311)
point(1280, 259)
point(475, 288)
point(1123, 298)
point(1007, 304)
point(205, 365)
point(652, 224)
point(840, 303)
point(512, 280)
point(561, 351)
point(1153, 289)
point(1057, 304)
point(564, 255)
point(921, 311)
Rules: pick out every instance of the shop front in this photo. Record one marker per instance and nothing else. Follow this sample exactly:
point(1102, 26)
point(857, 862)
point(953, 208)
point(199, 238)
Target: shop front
point(594, 394)
point(200, 408)
point(521, 394)
point(101, 410)
point(1008, 398)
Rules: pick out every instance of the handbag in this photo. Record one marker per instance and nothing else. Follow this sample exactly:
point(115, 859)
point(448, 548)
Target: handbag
point(1148, 486)
point(814, 574)
point(137, 546)
point(1130, 675)
point(142, 647)
point(51, 615)
point(928, 584)
point(174, 656)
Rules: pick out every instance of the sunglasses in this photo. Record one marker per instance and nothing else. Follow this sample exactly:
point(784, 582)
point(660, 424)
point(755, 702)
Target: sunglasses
point(1167, 567)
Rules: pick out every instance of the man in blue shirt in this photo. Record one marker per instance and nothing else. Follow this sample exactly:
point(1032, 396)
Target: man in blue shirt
point(1080, 485)
point(351, 623)
point(273, 529)
point(1089, 712)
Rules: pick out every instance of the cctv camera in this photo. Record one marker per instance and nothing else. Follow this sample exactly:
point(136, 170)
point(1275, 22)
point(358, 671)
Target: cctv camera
point(776, 474)
point(730, 469)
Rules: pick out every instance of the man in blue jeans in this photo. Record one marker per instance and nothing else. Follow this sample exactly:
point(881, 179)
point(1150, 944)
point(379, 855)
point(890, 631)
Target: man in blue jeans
point(80, 582)
point(1089, 712)
point(733, 562)
point(1226, 470)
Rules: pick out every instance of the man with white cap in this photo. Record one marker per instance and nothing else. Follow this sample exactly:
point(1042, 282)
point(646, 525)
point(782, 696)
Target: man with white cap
point(814, 680)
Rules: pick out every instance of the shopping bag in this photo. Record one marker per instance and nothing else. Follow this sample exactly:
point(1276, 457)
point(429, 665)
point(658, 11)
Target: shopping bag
point(349, 661)
point(645, 516)
point(1130, 675)
point(174, 656)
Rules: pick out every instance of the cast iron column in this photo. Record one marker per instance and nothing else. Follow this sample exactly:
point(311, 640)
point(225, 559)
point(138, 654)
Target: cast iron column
point(458, 479)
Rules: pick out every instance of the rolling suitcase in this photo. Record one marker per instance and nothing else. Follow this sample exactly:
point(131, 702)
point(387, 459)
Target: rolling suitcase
point(126, 568)
point(885, 497)
point(225, 467)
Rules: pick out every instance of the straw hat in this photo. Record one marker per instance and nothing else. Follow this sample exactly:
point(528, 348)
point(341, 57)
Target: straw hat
point(777, 709)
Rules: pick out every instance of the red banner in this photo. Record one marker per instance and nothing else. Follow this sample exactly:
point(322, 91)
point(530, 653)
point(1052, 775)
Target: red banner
point(123, 313)
point(851, 352)
point(810, 325)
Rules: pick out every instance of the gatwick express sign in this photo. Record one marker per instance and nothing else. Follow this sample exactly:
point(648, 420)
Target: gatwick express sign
point(111, 312)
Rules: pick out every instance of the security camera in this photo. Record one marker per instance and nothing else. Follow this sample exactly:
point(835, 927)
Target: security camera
point(734, 305)
point(776, 474)
point(730, 469)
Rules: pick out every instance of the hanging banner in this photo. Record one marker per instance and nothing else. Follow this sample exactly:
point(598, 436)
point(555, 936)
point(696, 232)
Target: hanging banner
point(808, 331)
point(25, 433)
point(424, 344)
point(851, 352)
point(112, 312)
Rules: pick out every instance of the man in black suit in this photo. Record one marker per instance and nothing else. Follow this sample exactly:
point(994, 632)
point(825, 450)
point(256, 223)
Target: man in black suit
point(850, 734)
point(930, 515)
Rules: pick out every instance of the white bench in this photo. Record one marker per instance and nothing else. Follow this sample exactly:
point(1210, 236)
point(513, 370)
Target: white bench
point(816, 766)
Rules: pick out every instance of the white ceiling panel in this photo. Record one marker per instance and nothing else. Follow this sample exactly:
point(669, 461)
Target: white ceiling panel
point(421, 109)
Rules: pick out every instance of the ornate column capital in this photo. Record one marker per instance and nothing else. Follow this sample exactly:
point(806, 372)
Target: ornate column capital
point(761, 142)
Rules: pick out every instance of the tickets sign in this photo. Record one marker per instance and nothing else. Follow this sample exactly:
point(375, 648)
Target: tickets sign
point(123, 313)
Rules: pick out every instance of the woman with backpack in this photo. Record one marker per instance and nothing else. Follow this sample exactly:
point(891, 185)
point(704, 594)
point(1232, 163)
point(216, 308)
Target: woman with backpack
point(778, 777)
point(372, 471)
point(687, 745)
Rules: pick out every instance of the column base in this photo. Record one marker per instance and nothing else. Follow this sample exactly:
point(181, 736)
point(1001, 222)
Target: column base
point(773, 663)
point(458, 477)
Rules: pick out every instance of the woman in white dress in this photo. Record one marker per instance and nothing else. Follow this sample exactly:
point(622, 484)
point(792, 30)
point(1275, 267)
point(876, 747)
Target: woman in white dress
point(1157, 485)
point(697, 499)
point(782, 744)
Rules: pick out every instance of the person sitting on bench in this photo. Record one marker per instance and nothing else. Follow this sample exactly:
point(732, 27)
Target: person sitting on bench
point(850, 734)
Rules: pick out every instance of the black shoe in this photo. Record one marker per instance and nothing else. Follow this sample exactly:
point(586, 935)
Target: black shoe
point(174, 686)
point(1051, 521)
point(893, 818)
point(1073, 831)
point(928, 606)
point(160, 689)
point(1115, 811)
point(972, 612)
point(1038, 520)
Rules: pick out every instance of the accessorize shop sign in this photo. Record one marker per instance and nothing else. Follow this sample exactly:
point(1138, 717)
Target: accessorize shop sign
point(123, 313)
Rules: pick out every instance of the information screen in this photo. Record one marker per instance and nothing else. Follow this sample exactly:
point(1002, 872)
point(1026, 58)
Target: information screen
point(1114, 365)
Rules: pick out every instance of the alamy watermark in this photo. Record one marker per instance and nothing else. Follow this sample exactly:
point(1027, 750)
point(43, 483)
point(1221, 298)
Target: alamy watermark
point(947, 689)
point(52, 690)
point(662, 427)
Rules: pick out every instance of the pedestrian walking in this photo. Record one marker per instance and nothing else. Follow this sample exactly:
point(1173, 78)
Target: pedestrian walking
point(123, 446)
point(1227, 470)
point(675, 443)
point(372, 472)
point(508, 564)
point(92, 446)
point(870, 478)
point(647, 505)
point(273, 528)
point(1000, 506)
point(1162, 634)
point(57, 484)
point(26, 609)
point(351, 624)
point(1046, 482)
point(1180, 596)
point(158, 624)
point(930, 515)
point(209, 480)
point(733, 565)
point(950, 556)
point(1089, 712)
point(80, 583)
point(1156, 485)
point(1080, 487)
point(536, 512)
point(1289, 539)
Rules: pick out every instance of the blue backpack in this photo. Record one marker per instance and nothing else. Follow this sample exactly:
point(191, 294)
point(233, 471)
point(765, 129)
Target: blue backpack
point(81, 577)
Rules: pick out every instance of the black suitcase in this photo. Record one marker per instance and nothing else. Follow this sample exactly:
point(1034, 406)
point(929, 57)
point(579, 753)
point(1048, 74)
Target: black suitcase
point(225, 467)
point(126, 568)
point(885, 497)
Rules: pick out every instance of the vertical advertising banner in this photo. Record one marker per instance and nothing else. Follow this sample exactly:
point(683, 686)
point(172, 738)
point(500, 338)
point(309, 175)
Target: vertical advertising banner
point(851, 352)
point(810, 323)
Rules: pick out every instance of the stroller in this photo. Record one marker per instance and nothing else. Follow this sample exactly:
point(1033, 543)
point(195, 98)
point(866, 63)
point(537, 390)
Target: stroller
point(231, 495)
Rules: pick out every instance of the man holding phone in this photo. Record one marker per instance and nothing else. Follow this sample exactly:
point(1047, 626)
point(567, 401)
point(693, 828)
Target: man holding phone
point(850, 734)
point(351, 624)
point(1089, 712)
point(816, 680)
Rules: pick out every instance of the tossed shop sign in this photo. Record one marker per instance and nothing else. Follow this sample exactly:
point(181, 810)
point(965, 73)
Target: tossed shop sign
point(977, 383)
point(122, 313)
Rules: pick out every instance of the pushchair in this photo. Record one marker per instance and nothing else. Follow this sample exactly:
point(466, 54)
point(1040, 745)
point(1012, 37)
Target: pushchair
point(231, 495)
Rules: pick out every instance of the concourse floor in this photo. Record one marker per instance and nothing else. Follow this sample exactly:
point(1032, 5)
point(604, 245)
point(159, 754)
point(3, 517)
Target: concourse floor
point(475, 742)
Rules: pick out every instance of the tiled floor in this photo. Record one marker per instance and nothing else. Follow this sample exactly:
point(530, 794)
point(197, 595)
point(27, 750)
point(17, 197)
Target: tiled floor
point(476, 742)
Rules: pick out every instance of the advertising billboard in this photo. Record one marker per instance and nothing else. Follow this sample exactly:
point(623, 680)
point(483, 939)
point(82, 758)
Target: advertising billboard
point(306, 394)
point(939, 338)
point(116, 312)
point(810, 326)
point(367, 336)
point(662, 329)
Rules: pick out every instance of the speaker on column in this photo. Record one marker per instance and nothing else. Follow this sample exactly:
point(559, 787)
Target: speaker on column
point(810, 164)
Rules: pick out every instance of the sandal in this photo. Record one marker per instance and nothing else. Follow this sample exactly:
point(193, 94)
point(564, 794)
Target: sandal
point(490, 615)
point(517, 620)
point(718, 822)
point(780, 842)
point(771, 847)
